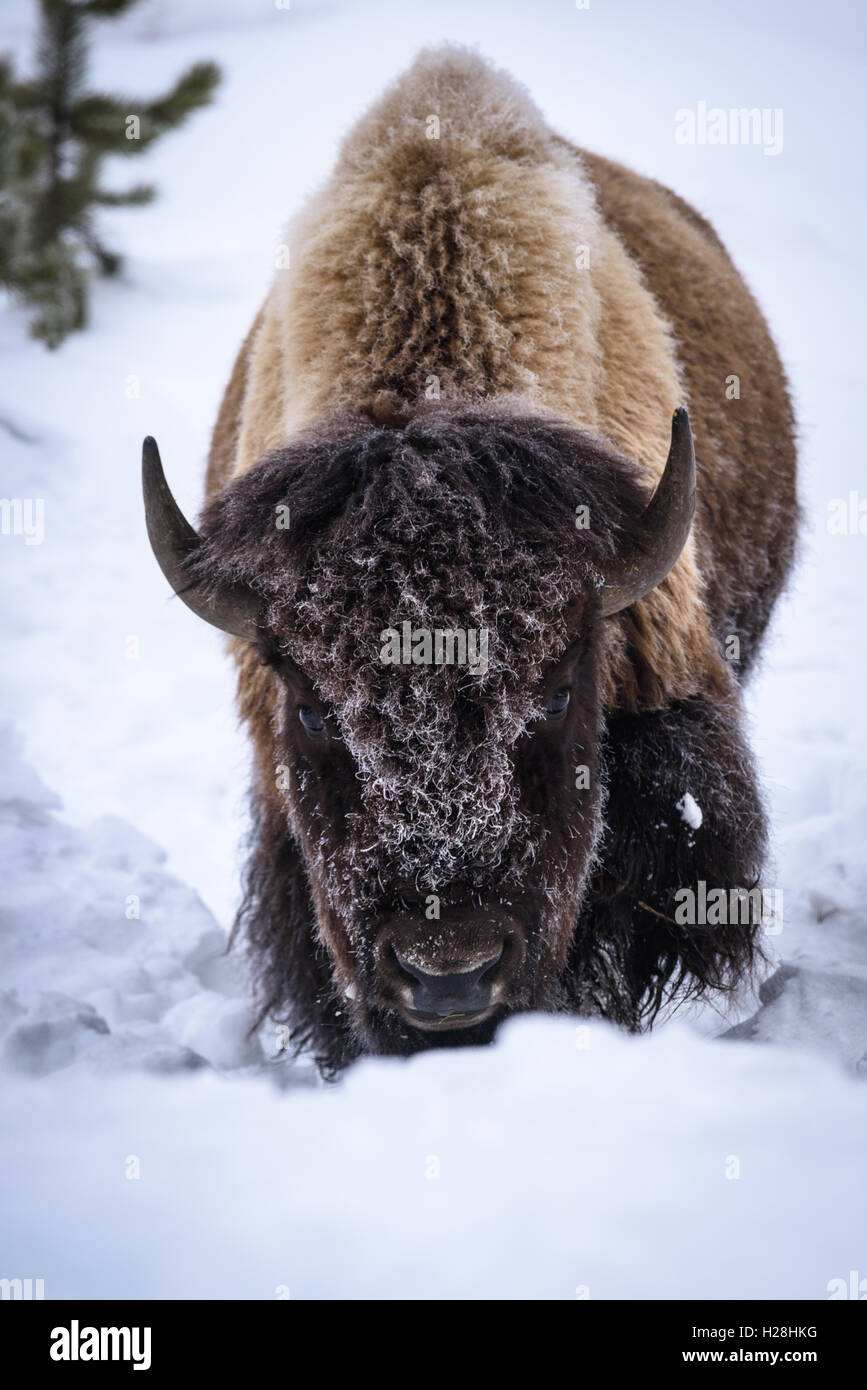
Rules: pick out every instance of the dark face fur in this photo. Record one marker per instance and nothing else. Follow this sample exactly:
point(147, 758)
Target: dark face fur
point(445, 815)
point(447, 870)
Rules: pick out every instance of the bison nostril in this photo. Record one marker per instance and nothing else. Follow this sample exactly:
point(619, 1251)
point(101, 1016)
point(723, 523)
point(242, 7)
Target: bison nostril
point(489, 970)
point(455, 993)
point(412, 973)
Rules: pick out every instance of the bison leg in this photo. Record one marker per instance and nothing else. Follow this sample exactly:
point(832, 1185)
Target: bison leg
point(632, 951)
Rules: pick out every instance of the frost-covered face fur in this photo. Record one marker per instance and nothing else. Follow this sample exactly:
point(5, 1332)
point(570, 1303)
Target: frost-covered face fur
point(446, 815)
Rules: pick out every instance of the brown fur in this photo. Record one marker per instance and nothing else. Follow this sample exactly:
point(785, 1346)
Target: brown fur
point(496, 304)
point(746, 519)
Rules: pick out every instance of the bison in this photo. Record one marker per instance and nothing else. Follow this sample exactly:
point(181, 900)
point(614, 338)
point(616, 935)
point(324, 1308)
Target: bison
point(464, 419)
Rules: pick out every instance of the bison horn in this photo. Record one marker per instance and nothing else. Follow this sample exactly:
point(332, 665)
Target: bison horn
point(233, 608)
point(664, 527)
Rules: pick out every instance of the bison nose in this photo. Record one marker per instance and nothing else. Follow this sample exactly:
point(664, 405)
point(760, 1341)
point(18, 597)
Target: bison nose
point(445, 996)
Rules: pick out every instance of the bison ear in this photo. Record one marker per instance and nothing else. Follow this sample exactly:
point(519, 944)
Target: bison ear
point(232, 608)
point(663, 528)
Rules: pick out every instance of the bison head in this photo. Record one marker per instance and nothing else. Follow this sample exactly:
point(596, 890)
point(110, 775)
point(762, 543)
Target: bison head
point(422, 608)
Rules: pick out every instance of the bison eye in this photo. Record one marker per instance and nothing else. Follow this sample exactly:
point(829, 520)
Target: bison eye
point(311, 721)
point(558, 704)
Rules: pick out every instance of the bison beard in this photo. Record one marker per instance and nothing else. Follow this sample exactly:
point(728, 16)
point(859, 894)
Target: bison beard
point(494, 493)
point(624, 960)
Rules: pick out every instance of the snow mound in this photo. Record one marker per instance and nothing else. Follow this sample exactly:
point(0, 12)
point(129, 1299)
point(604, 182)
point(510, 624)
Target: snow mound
point(566, 1161)
point(558, 1163)
point(108, 960)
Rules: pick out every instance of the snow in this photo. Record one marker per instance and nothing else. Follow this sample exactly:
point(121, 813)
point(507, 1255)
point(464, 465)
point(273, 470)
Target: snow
point(658, 1168)
point(107, 959)
point(567, 1160)
point(690, 811)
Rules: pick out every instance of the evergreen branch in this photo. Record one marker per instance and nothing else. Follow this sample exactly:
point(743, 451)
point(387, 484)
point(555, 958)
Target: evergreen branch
point(194, 88)
point(139, 194)
point(54, 136)
point(106, 9)
point(101, 120)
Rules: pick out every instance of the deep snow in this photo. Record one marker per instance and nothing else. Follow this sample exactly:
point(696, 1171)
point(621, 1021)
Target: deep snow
point(566, 1157)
